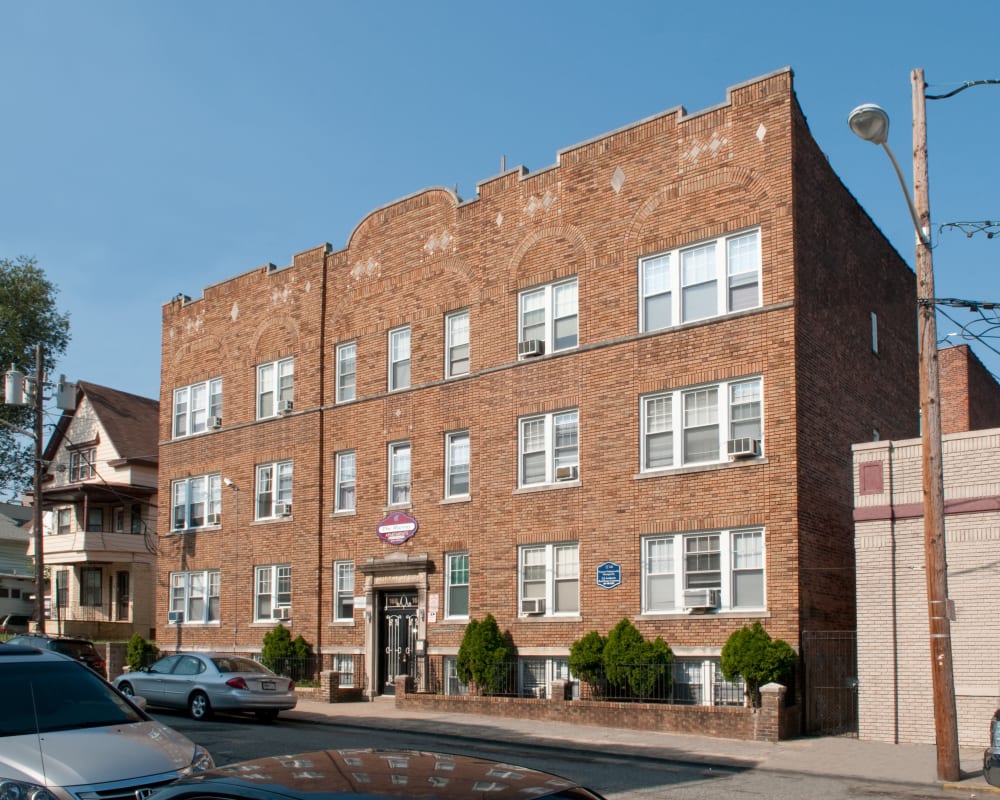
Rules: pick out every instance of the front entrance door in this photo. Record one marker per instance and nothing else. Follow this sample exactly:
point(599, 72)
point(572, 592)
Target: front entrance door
point(398, 637)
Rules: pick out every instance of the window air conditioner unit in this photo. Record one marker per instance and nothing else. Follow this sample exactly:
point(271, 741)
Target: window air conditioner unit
point(283, 613)
point(567, 473)
point(530, 348)
point(284, 509)
point(701, 598)
point(212, 519)
point(743, 448)
point(533, 607)
point(175, 617)
point(285, 407)
point(215, 423)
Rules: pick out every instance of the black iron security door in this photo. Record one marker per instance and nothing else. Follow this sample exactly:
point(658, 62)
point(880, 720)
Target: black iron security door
point(397, 638)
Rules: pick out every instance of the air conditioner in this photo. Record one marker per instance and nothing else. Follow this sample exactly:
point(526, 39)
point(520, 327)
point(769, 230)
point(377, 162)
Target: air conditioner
point(283, 509)
point(283, 613)
point(530, 348)
point(567, 473)
point(743, 448)
point(215, 423)
point(285, 407)
point(533, 607)
point(212, 519)
point(175, 617)
point(701, 598)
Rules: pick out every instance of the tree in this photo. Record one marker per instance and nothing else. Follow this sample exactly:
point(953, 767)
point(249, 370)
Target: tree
point(751, 654)
point(281, 654)
point(634, 665)
point(140, 653)
point(586, 657)
point(485, 656)
point(28, 317)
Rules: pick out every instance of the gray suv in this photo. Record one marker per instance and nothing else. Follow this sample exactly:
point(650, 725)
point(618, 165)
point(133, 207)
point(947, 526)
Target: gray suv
point(49, 701)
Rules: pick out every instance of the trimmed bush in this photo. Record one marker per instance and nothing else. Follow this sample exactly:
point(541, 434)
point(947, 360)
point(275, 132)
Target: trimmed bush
point(140, 653)
point(285, 656)
point(751, 654)
point(586, 657)
point(636, 666)
point(485, 656)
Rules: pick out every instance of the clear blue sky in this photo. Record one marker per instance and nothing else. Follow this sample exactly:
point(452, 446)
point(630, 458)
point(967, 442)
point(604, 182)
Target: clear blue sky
point(155, 148)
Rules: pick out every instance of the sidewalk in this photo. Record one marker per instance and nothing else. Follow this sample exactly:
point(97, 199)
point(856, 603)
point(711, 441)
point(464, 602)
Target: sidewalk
point(834, 756)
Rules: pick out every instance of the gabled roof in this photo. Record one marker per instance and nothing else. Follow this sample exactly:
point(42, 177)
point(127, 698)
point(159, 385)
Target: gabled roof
point(14, 521)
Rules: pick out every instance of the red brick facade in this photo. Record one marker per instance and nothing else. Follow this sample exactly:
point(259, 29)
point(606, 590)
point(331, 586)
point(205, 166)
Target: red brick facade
point(970, 396)
point(668, 182)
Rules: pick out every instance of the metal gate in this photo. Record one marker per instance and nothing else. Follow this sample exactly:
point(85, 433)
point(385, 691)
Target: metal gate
point(830, 677)
point(398, 637)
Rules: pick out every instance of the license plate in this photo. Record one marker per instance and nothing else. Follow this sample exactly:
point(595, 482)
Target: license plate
point(267, 686)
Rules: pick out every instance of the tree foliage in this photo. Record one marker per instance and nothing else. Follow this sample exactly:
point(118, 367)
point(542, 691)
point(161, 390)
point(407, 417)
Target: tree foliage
point(140, 652)
point(28, 317)
point(286, 656)
point(751, 654)
point(586, 657)
point(634, 665)
point(485, 656)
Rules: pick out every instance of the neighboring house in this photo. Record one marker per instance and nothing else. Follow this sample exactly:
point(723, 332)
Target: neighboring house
point(894, 669)
point(15, 530)
point(99, 501)
point(625, 385)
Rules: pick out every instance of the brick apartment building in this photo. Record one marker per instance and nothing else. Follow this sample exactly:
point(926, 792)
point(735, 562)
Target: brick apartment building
point(894, 663)
point(625, 385)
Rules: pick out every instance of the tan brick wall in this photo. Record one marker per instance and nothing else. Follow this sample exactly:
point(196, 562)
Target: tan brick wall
point(895, 694)
point(748, 162)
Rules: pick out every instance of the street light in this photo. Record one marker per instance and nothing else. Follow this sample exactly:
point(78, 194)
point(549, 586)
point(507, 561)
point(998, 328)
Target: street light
point(871, 123)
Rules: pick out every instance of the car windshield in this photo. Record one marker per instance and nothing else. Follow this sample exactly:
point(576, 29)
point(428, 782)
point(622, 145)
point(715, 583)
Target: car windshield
point(50, 696)
point(237, 664)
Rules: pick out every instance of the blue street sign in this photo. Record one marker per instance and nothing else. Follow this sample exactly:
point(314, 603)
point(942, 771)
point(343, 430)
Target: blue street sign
point(609, 575)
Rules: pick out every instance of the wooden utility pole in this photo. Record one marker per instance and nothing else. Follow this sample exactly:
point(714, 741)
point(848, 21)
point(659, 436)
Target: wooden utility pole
point(935, 561)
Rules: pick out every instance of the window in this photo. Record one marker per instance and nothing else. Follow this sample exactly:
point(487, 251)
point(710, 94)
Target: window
point(347, 366)
point(456, 585)
point(549, 448)
point(90, 586)
point(81, 464)
point(195, 502)
point(706, 280)
point(550, 315)
point(346, 482)
point(457, 464)
point(344, 601)
point(550, 579)
point(343, 665)
point(399, 473)
point(63, 520)
point(693, 426)
point(456, 357)
point(274, 490)
point(729, 563)
point(452, 683)
point(136, 518)
point(275, 387)
point(195, 406)
point(874, 318)
point(62, 589)
point(537, 674)
point(119, 519)
point(95, 519)
point(273, 590)
point(399, 358)
point(195, 595)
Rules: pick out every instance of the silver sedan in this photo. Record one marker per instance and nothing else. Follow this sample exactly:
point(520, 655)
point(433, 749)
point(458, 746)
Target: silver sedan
point(207, 682)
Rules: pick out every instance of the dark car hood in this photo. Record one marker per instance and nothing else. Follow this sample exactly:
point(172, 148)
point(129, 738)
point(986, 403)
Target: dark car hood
point(377, 774)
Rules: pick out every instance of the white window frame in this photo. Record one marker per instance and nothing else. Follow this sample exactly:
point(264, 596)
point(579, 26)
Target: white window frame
point(187, 588)
point(82, 464)
point(536, 674)
point(347, 372)
point(188, 496)
point(717, 559)
point(457, 349)
point(273, 588)
point(400, 343)
point(194, 405)
point(539, 434)
point(734, 408)
point(272, 486)
point(551, 307)
point(275, 386)
point(346, 495)
point(722, 271)
point(542, 569)
point(343, 665)
point(456, 581)
point(457, 454)
point(343, 598)
point(400, 479)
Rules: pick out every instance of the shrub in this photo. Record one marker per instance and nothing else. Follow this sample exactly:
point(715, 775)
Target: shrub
point(484, 656)
point(751, 654)
point(636, 666)
point(283, 655)
point(586, 657)
point(140, 653)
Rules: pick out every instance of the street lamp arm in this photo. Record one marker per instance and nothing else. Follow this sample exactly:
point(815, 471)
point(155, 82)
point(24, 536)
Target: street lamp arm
point(962, 88)
point(925, 240)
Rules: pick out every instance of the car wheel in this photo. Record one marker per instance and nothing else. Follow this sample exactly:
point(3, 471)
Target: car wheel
point(199, 707)
point(126, 689)
point(266, 716)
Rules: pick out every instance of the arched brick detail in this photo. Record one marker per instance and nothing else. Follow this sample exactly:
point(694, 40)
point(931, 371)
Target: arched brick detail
point(577, 240)
point(435, 196)
point(282, 323)
point(188, 353)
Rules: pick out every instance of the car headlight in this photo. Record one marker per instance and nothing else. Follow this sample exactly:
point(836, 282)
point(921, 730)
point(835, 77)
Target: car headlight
point(16, 790)
point(200, 761)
